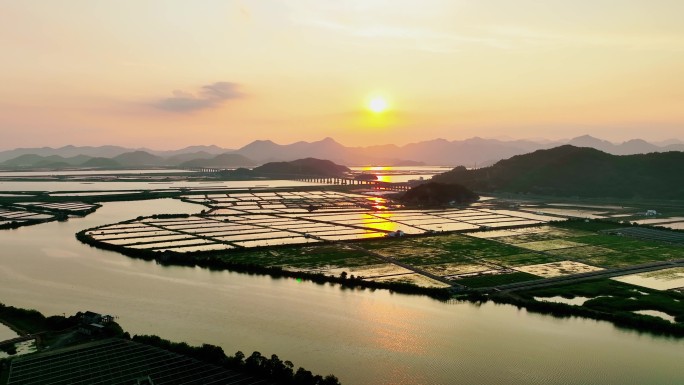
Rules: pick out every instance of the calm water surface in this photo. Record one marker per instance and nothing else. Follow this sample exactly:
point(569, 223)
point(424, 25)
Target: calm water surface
point(398, 174)
point(128, 186)
point(363, 337)
point(6, 333)
point(81, 172)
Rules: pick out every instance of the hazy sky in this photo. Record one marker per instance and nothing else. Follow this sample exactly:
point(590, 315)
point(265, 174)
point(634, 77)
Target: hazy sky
point(166, 74)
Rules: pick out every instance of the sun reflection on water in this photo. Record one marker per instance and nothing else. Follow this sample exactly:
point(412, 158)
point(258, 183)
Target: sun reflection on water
point(394, 328)
point(378, 203)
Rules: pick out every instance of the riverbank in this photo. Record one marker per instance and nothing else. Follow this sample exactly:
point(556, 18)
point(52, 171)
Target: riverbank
point(620, 314)
point(215, 261)
point(620, 317)
point(378, 337)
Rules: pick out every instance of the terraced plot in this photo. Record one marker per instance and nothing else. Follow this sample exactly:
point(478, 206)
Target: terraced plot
point(71, 207)
point(675, 225)
point(11, 214)
point(118, 361)
point(554, 244)
point(413, 278)
point(571, 212)
point(582, 242)
point(533, 234)
point(246, 220)
point(288, 202)
point(523, 259)
point(315, 258)
point(557, 269)
point(374, 271)
point(312, 220)
point(454, 270)
point(665, 279)
point(452, 256)
point(195, 233)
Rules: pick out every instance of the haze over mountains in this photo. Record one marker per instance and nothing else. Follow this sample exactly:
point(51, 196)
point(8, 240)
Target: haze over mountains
point(469, 152)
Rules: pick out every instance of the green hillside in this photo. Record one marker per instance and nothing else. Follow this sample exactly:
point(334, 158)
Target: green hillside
point(438, 194)
point(579, 171)
point(308, 166)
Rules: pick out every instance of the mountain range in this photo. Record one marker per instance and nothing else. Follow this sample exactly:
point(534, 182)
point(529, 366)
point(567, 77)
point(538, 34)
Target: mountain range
point(473, 152)
point(129, 160)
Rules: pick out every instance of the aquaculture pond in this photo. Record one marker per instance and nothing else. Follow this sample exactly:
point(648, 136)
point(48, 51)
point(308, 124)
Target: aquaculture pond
point(363, 337)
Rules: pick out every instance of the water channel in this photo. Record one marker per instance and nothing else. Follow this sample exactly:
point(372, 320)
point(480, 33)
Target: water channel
point(363, 337)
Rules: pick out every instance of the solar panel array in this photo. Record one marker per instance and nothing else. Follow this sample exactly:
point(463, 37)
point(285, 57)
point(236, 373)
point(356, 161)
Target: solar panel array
point(117, 361)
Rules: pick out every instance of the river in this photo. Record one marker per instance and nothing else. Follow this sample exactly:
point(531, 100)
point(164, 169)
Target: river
point(363, 337)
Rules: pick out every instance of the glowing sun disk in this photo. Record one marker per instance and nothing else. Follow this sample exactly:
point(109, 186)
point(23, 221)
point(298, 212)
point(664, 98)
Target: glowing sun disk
point(377, 105)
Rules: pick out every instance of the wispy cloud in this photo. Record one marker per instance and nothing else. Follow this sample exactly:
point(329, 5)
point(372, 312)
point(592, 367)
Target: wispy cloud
point(446, 26)
point(423, 39)
point(208, 97)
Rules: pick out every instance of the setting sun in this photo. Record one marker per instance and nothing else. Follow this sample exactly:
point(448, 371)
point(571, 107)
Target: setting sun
point(378, 105)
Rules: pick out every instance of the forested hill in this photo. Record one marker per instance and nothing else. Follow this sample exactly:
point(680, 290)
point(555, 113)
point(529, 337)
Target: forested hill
point(579, 171)
point(438, 194)
point(308, 166)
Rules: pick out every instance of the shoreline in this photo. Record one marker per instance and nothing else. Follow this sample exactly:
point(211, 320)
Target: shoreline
point(213, 261)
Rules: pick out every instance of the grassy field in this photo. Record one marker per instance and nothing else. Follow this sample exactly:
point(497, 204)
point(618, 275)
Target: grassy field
point(580, 241)
point(451, 255)
point(522, 259)
point(545, 233)
point(304, 257)
point(451, 248)
point(495, 280)
point(444, 255)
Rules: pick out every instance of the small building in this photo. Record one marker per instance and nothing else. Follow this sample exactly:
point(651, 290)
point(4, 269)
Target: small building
point(90, 317)
point(651, 213)
point(93, 324)
point(91, 329)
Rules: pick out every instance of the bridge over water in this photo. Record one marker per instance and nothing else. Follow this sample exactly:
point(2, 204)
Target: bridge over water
point(331, 180)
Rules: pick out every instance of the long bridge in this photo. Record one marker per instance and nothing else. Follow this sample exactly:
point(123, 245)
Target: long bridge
point(332, 180)
point(374, 184)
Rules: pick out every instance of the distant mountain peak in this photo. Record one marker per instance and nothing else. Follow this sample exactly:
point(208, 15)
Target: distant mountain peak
point(585, 136)
point(636, 141)
point(328, 142)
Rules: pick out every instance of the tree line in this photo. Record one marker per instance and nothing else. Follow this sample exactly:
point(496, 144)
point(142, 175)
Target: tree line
point(270, 368)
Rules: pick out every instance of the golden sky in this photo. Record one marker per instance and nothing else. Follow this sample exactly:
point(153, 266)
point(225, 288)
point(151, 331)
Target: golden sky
point(166, 74)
